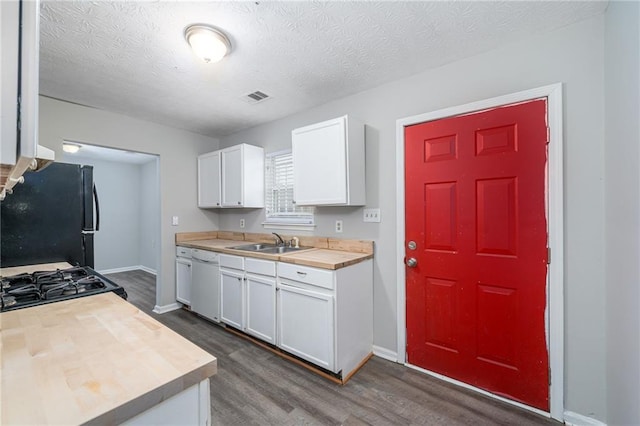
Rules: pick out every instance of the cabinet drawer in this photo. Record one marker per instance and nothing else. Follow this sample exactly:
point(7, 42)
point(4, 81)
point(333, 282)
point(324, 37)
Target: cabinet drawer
point(183, 251)
point(312, 276)
point(230, 261)
point(259, 266)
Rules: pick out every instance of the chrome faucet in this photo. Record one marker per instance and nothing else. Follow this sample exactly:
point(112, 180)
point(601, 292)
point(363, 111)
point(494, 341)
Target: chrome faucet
point(279, 240)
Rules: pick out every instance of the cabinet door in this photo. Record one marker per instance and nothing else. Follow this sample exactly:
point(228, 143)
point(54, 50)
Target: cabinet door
point(29, 77)
point(319, 163)
point(183, 281)
point(261, 307)
point(209, 180)
point(232, 298)
point(305, 325)
point(232, 175)
point(9, 43)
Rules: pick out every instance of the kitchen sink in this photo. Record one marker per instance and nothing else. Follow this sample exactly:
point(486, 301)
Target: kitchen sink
point(267, 248)
point(255, 247)
point(281, 249)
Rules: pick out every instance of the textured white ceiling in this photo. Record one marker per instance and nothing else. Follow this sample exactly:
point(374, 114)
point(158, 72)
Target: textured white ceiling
point(130, 57)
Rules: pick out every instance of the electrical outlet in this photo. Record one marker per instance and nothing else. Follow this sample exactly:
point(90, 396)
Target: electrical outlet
point(338, 226)
point(174, 221)
point(241, 223)
point(371, 215)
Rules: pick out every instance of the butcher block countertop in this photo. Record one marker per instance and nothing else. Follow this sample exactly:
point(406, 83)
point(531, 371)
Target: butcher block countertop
point(323, 253)
point(95, 359)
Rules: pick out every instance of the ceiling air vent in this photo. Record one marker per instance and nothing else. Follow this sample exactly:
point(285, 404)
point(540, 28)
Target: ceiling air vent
point(255, 97)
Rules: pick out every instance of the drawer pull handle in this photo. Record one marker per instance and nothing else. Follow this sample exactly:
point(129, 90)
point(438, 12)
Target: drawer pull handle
point(301, 273)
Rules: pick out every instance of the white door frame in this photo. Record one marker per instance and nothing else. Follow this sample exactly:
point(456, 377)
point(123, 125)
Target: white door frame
point(555, 217)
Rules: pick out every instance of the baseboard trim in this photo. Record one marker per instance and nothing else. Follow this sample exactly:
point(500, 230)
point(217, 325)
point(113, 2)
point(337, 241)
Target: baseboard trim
point(147, 269)
point(385, 353)
point(575, 419)
point(127, 269)
point(166, 308)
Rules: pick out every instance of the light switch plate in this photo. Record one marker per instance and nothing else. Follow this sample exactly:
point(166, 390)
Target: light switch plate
point(371, 215)
point(174, 221)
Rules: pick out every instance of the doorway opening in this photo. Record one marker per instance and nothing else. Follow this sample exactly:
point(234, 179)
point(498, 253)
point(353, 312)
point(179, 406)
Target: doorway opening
point(128, 187)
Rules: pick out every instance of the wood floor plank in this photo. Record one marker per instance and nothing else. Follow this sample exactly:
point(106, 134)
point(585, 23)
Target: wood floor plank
point(255, 387)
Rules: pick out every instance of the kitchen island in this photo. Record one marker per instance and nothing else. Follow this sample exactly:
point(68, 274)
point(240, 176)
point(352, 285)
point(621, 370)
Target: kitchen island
point(99, 360)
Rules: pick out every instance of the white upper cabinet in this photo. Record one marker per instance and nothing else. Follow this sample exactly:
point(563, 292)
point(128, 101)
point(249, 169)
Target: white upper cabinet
point(19, 55)
point(209, 180)
point(231, 177)
point(10, 15)
point(329, 163)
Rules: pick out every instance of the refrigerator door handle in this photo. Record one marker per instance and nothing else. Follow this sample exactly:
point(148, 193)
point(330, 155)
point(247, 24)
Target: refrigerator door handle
point(97, 203)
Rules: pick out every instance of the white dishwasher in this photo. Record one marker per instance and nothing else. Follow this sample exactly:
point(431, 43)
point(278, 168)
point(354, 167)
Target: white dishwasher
point(205, 284)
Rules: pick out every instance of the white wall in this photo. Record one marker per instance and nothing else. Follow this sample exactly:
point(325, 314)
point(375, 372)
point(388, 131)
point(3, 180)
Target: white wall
point(177, 149)
point(149, 218)
point(622, 221)
point(572, 55)
point(116, 243)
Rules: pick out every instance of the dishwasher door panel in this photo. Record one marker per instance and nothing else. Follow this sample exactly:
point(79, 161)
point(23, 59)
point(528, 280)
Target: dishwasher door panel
point(205, 289)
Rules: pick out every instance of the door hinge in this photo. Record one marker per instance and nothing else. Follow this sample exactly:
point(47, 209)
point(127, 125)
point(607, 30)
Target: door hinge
point(548, 255)
point(548, 135)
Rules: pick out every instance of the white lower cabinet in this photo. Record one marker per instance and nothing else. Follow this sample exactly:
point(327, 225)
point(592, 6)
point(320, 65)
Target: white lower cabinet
point(249, 295)
point(232, 297)
point(192, 406)
point(261, 299)
point(320, 315)
point(183, 280)
point(324, 316)
point(305, 323)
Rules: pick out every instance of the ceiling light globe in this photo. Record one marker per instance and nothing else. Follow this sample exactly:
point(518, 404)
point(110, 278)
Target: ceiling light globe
point(207, 43)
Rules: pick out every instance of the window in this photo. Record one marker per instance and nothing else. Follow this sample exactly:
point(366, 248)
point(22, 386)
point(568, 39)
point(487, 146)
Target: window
point(280, 209)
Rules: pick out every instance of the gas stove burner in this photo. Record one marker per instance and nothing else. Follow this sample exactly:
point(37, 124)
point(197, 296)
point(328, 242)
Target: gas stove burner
point(21, 279)
point(44, 277)
point(8, 301)
point(24, 290)
point(28, 289)
point(73, 289)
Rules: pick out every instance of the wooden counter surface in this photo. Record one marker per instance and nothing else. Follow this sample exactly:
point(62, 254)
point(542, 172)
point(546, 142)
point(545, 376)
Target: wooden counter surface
point(319, 258)
point(95, 359)
point(326, 259)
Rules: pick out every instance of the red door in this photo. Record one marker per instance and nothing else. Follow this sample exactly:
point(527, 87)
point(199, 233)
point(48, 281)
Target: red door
point(475, 209)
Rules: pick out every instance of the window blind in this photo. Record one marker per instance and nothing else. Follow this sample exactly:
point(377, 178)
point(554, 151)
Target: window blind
point(279, 191)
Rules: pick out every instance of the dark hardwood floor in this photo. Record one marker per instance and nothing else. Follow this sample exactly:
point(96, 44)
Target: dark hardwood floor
point(256, 387)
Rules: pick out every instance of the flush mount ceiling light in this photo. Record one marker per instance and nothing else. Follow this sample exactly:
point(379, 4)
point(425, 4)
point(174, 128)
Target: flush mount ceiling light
point(208, 43)
point(71, 148)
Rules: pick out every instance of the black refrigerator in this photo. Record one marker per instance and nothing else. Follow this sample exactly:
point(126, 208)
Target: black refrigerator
point(50, 217)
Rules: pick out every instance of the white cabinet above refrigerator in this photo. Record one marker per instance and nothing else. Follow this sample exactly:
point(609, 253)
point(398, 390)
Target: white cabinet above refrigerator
point(19, 149)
